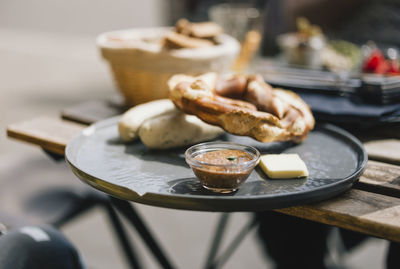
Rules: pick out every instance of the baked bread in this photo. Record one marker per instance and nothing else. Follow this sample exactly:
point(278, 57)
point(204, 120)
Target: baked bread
point(192, 35)
point(243, 105)
point(159, 124)
point(131, 120)
point(165, 131)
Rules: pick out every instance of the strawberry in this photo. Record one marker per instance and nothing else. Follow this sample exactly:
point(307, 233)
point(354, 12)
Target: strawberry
point(394, 67)
point(382, 67)
point(374, 60)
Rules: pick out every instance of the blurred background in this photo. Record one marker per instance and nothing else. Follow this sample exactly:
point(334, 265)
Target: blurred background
point(49, 61)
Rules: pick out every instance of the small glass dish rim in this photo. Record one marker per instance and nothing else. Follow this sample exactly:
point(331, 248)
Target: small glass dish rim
point(218, 145)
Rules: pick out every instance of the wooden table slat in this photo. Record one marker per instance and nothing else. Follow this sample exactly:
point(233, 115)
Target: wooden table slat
point(90, 112)
point(52, 134)
point(381, 178)
point(385, 150)
point(357, 210)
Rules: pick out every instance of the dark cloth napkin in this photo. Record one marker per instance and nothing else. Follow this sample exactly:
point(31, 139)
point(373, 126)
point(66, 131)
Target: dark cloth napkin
point(336, 108)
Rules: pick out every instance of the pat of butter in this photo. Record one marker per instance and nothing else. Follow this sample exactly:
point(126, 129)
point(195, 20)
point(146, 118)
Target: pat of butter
point(283, 166)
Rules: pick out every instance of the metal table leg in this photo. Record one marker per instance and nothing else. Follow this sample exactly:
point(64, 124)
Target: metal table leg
point(212, 262)
point(126, 245)
point(219, 232)
point(129, 212)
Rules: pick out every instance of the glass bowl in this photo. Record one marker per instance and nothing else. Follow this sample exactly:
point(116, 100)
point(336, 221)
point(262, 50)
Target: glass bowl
point(222, 166)
point(302, 52)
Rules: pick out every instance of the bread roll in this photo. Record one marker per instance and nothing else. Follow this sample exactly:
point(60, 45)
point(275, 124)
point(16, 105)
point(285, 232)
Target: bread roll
point(131, 120)
point(176, 129)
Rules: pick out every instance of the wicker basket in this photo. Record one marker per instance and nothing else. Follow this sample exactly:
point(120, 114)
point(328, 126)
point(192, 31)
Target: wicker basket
point(141, 70)
point(138, 86)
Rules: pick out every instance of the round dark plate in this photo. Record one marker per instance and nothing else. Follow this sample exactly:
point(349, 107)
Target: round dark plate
point(335, 160)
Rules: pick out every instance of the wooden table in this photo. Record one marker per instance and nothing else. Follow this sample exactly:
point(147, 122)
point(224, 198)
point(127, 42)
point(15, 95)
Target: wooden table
point(372, 206)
